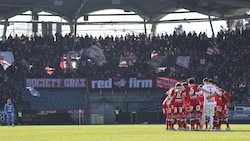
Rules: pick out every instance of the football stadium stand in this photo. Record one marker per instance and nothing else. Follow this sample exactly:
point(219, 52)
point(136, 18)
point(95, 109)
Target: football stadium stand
point(70, 81)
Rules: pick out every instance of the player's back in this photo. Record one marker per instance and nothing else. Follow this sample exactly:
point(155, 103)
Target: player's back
point(193, 90)
point(209, 90)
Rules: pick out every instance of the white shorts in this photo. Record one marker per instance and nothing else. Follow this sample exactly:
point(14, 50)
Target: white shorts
point(209, 108)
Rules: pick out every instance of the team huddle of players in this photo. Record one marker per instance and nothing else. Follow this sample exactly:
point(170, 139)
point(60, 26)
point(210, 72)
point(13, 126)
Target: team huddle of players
point(205, 104)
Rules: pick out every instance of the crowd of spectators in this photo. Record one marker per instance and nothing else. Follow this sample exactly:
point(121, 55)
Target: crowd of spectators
point(229, 68)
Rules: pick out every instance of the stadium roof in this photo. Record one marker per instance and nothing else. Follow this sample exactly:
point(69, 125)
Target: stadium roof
point(150, 10)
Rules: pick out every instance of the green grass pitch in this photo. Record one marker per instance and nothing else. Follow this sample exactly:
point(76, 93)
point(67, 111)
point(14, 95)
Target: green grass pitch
point(135, 132)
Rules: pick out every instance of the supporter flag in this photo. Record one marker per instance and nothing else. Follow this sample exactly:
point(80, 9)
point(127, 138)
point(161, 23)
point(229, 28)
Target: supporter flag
point(70, 57)
point(217, 50)
point(33, 91)
point(49, 70)
point(63, 63)
point(156, 61)
point(6, 59)
point(183, 61)
point(95, 52)
point(213, 50)
point(154, 53)
point(210, 51)
point(76, 55)
point(127, 59)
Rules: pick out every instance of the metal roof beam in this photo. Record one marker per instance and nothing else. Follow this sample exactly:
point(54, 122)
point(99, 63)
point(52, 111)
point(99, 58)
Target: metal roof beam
point(139, 12)
point(233, 3)
point(201, 10)
point(23, 9)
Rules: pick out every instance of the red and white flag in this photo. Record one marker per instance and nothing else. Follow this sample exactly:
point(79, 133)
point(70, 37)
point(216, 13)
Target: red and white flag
point(49, 70)
point(6, 59)
point(96, 53)
point(154, 53)
point(68, 58)
point(213, 50)
point(165, 82)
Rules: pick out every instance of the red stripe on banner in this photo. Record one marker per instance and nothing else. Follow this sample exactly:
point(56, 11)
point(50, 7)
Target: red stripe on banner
point(165, 83)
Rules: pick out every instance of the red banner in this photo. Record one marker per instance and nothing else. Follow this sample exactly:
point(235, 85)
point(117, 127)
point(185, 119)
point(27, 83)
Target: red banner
point(166, 83)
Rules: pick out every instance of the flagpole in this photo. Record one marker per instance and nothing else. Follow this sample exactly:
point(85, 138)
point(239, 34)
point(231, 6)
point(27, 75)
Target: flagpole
point(145, 27)
point(75, 21)
point(211, 25)
point(75, 30)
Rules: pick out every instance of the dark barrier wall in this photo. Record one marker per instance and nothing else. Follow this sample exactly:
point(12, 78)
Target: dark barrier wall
point(37, 118)
point(52, 119)
point(32, 117)
point(59, 118)
point(141, 117)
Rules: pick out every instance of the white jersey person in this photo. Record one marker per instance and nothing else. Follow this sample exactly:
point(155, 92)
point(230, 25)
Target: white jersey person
point(209, 91)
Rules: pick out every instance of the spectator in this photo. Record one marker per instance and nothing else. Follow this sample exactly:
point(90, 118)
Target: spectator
point(33, 54)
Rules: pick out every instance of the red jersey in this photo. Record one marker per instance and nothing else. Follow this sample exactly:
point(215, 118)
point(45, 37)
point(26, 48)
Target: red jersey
point(165, 106)
point(178, 101)
point(218, 98)
point(193, 92)
point(201, 98)
point(178, 95)
point(170, 95)
point(164, 103)
point(187, 96)
point(225, 97)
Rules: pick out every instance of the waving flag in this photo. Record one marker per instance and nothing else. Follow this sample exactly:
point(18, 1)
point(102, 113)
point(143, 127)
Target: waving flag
point(69, 60)
point(49, 70)
point(6, 59)
point(183, 61)
point(154, 53)
point(213, 50)
point(33, 91)
point(96, 53)
point(156, 61)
